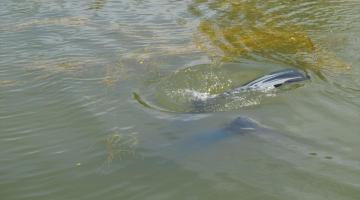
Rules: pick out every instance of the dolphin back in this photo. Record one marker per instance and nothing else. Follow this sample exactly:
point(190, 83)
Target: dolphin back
point(276, 79)
point(262, 84)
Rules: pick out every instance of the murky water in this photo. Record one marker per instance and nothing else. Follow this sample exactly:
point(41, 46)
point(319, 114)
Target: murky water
point(96, 99)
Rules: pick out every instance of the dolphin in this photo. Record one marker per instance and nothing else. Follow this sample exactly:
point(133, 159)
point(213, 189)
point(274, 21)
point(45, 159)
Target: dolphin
point(263, 83)
point(272, 80)
point(239, 126)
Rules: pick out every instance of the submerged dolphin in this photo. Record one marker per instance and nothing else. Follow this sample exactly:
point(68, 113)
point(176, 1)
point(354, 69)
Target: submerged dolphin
point(239, 126)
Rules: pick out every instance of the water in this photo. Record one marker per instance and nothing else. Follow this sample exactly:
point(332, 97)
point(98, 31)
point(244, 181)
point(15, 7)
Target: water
point(70, 127)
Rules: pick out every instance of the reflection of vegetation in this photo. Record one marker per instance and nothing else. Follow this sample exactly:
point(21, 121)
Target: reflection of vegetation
point(97, 5)
point(229, 29)
point(120, 146)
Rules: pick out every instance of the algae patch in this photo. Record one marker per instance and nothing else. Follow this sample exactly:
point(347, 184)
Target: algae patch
point(70, 21)
point(7, 83)
point(244, 29)
point(97, 5)
point(120, 146)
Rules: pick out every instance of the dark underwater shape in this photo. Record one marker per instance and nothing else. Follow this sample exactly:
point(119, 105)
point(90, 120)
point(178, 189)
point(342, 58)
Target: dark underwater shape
point(240, 126)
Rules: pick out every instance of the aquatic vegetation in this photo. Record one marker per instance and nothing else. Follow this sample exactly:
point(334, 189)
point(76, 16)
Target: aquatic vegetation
point(120, 146)
point(328, 157)
point(68, 66)
point(114, 73)
point(7, 83)
point(148, 53)
point(56, 66)
point(238, 40)
point(238, 29)
point(181, 21)
point(324, 156)
point(97, 4)
point(72, 21)
point(47, 68)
